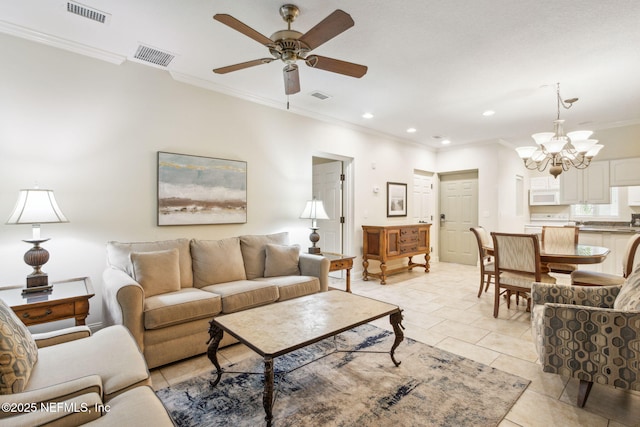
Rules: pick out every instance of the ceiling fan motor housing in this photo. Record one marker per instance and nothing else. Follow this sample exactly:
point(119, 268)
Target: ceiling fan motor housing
point(287, 47)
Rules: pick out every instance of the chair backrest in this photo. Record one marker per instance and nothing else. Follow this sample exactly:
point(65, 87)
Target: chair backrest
point(517, 253)
point(630, 254)
point(482, 238)
point(559, 235)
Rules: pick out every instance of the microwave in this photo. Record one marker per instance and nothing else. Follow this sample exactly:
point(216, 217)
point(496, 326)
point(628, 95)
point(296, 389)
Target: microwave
point(544, 197)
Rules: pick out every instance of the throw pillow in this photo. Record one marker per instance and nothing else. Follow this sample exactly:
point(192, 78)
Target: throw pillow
point(18, 352)
point(119, 256)
point(216, 261)
point(281, 260)
point(253, 251)
point(629, 297)
point(157, 272)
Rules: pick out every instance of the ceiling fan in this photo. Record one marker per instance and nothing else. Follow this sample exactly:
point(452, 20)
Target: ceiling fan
point(290, 46)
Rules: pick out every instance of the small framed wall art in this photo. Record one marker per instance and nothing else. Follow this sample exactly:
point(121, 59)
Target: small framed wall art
point(396, 199)
point(201, 190)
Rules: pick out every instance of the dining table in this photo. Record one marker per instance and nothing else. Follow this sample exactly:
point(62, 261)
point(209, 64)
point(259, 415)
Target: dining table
point(565, 254)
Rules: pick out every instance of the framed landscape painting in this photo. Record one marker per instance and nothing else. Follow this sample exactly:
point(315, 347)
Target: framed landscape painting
point(396, 199)
point(201, 190)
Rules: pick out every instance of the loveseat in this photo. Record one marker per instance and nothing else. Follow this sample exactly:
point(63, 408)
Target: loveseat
point(70, 377)
point(166, 292)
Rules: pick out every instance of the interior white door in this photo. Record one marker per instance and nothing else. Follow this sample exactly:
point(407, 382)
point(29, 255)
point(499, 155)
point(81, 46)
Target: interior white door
point(458, 213)
point(422, 198)
point(327, 186)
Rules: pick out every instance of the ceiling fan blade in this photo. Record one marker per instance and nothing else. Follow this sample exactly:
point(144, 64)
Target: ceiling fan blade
point(291, 79)
point(232, 22)
point(327, 29)
point(336, 66)
point(241, 66)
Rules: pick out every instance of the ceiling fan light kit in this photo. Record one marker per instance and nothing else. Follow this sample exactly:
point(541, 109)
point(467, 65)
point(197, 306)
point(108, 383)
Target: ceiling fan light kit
point(557, 150)
point(289, 46)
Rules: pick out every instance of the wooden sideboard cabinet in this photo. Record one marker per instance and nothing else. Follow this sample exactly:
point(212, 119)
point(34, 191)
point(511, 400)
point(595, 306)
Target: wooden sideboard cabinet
point(384, 243)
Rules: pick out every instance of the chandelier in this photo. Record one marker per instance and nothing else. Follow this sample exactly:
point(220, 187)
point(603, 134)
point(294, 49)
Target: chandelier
point(557, 150)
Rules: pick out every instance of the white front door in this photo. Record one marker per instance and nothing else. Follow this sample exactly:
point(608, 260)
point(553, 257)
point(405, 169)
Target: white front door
point(422, 198)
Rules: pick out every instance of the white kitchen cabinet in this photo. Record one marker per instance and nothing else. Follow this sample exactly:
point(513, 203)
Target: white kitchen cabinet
point(544, 183)
point(617, 245)
point(590, 185)
point(625, 172)
point(633, 196)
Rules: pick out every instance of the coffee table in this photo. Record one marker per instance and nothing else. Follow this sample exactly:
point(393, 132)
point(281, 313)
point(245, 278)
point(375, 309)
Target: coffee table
point(277, 329)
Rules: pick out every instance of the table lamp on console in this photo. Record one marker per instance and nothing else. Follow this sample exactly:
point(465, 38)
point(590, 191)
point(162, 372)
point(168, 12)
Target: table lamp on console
point(36, 206)
point(314, 210)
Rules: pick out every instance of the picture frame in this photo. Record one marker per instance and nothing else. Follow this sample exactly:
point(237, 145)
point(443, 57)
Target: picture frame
point(197, 190)
point(396, 199)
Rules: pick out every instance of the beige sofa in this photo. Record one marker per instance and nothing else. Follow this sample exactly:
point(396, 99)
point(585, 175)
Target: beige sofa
point(166, 292)
point(70, 378)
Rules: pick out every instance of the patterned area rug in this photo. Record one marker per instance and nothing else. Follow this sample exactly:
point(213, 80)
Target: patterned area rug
point(431, 387)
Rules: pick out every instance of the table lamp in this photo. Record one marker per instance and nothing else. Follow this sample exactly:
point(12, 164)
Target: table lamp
point(314, 210)
point(35, 207)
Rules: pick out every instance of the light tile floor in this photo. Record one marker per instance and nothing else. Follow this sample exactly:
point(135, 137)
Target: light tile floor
point(441, 309)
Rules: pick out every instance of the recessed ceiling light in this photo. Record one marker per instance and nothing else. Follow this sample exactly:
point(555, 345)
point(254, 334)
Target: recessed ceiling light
point(445, 142)
point(488, 113)
point(412, 130)
point(367, 116)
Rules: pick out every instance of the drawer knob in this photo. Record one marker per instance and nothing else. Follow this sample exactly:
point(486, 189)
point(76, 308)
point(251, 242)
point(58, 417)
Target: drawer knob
point(46, 313)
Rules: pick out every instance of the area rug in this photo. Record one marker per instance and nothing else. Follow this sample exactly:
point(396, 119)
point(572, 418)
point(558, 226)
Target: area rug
point(431, 387)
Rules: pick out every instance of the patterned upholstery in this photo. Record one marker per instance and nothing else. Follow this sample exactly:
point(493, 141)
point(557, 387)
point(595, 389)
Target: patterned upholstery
point(517, 265)
point(554, 235)
point(18, 352)
point(579, 333)
point(629, 297)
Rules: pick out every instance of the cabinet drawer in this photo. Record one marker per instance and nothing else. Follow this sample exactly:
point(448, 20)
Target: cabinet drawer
point(340, 264)
point(32, 316)
point(406, 249)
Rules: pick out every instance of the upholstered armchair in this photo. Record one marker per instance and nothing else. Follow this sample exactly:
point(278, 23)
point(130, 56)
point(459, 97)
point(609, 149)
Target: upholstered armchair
point(72, 377)
point(589, 333)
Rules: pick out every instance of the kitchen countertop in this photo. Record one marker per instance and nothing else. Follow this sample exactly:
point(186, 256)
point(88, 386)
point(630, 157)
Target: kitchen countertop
point(611, 227)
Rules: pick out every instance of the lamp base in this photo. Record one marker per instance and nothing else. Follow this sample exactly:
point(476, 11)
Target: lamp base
point(314, 250)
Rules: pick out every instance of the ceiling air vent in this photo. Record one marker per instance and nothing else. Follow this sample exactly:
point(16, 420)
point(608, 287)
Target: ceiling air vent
point(87, 12)
point(321, 96)
point(154, 56)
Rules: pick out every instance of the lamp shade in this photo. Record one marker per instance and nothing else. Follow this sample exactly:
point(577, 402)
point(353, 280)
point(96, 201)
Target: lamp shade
point(314, 209)
point(36, 206)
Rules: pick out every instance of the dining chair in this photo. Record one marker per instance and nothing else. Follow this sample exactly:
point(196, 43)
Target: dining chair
point(517, 266)
point(487, 266)
point(558, 235)
point(594, 278)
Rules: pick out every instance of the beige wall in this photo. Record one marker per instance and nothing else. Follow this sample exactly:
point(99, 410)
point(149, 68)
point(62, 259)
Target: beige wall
point(91, 130)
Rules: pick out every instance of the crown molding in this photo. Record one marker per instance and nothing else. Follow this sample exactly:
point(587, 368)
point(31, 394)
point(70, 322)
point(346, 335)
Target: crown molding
point(36, 36)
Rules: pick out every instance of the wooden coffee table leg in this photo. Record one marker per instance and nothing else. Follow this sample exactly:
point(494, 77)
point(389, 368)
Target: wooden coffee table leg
point(267, 396)
point(215, 336)
point(396, 322)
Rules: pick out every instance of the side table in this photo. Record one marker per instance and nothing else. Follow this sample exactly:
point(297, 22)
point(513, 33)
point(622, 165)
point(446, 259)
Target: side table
point(68, 299)
point(340, 262)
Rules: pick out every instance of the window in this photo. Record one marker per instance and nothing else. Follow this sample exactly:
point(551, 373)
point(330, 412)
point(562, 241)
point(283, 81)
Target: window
point(591, 211)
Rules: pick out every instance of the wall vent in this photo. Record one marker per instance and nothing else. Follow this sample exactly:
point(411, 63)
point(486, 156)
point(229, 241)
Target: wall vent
point(154, 56)
point(321, 96)
point(87, 12)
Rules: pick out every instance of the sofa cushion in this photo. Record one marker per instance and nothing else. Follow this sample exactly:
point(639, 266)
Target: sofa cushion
point(629, 297)
point(125, 368)
point(118, 256)
point(216, 261)
point(18, 352)
point(293, 286)
point(157, 272)
point(253, 251)
point(281, 260)
point(243, 294)
point(182, 306)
